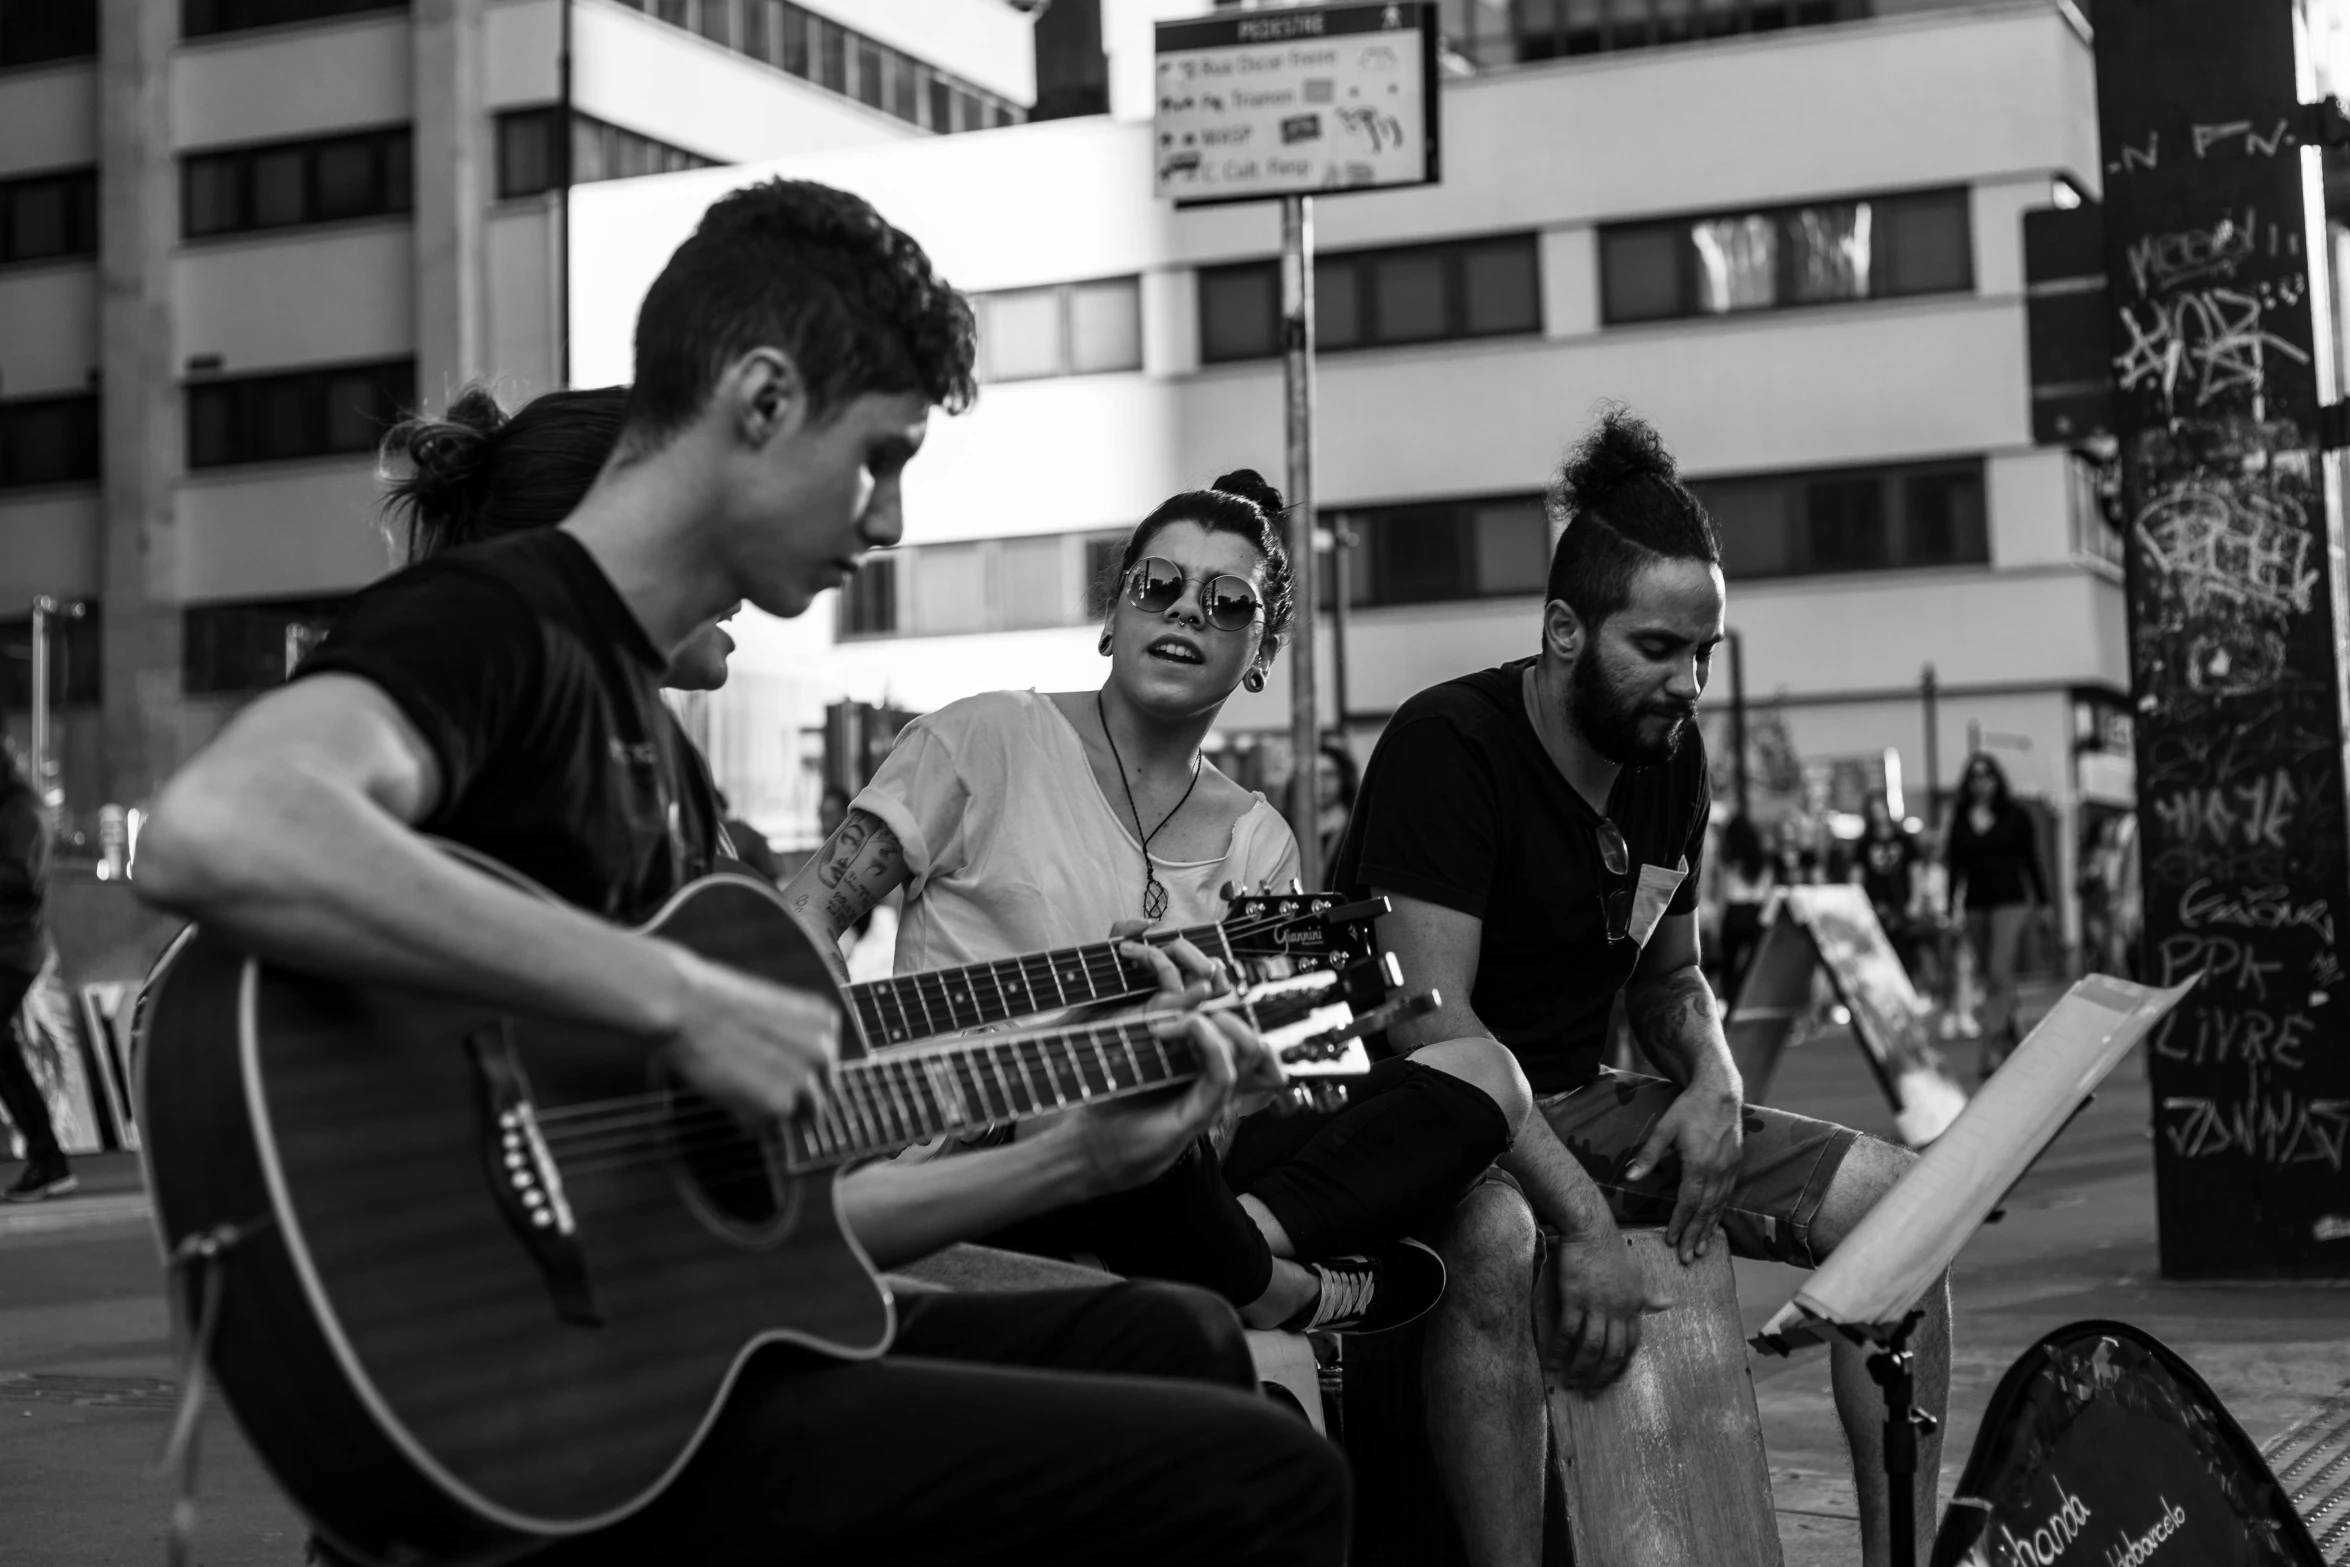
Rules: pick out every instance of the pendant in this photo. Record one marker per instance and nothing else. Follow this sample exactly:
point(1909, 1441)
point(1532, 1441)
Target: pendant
point(1154, 898)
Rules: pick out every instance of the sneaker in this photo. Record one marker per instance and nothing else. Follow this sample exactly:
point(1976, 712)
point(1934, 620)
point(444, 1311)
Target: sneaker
point(42, 1178)
point(1373, 1294)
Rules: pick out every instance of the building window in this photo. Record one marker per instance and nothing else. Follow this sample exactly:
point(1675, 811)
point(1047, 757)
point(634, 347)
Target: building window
point(40, 32)
point(2093, 509)
point(841, 60)
point(532, 155)
point(1428, 552)
point(1064, 329)
point(47, 216)
point(284, 184)
point(1867, 519)
point(199, 18)
point(869, 600)
point(302, 413)
point(250, 646)
point(1879, 247)
point(1487, 34)
point(49, 440)
point(1023, 584)
point(1378, 298)
point(75, 674)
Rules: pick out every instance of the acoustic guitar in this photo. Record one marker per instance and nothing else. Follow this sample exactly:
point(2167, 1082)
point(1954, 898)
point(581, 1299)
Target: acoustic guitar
point(483, 1280)
point(1303, 931)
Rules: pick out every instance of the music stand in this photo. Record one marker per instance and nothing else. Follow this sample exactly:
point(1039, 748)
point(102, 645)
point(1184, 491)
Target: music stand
point(1868, 1292)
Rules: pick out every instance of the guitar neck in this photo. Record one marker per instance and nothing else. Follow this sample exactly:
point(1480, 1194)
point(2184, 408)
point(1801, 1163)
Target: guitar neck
point(942, 1001)
point(893, 1099)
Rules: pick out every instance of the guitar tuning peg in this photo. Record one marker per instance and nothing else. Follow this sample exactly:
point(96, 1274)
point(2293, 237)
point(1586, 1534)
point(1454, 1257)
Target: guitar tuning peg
point(1293, 1099)
point(1297, 888)
point(1225, 892)
point(1329, 1098)
point(1391, 970)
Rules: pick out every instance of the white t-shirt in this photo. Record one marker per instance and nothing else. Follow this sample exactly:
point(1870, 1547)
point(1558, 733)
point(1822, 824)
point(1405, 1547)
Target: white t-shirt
point(1010, 846)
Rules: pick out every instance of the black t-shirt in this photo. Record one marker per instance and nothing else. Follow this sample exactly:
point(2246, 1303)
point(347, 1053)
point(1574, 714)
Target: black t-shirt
point(540, 696)
point(1461, 806)
point(1885, 869)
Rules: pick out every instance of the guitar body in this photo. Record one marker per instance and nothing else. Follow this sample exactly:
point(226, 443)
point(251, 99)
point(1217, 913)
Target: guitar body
point(433, 1371)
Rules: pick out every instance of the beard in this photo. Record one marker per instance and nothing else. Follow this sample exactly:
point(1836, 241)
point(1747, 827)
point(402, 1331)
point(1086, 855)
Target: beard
point(1619, 726)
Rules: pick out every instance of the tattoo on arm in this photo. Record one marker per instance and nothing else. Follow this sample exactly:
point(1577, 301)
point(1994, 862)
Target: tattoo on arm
point(1675, 1017)
point(841, 853)
point(856, 868)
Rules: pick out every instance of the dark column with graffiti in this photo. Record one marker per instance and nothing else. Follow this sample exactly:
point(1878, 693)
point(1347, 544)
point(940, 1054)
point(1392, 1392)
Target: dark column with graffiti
point(2236, 620)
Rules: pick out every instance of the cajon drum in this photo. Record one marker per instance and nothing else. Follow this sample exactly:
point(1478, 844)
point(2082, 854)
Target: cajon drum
point(1666, 1467)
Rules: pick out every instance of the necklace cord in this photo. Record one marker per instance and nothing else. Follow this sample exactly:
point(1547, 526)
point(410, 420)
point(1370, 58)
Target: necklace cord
point(1150, 875)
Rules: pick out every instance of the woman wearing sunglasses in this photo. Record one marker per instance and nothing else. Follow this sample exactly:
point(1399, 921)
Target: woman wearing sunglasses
point(1019, 821)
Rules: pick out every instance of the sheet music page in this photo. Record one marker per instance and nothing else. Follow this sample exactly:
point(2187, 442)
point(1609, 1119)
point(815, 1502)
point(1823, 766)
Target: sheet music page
point(1910, 1237)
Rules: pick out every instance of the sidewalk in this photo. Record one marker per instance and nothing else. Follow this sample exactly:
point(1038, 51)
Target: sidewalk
point(86, 1366)
point(2077, 1243)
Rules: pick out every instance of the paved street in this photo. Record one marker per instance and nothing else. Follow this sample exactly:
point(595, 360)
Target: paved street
point(85, 1354)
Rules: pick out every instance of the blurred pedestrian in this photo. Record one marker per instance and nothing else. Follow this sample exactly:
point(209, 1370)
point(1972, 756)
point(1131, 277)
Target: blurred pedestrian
point(1795, 855)
point(1748, 878)
point(750, 845)
point(1335, 779)
point(1885, 867)
point(1996, 887)
point(831, 811)
point(24, 944)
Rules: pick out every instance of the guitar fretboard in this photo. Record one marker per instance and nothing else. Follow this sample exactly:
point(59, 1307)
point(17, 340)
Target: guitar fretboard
point(893, 1099)
point(942, 1001)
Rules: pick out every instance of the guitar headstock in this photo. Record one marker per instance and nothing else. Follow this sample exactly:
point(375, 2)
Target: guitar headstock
point(1311, 930)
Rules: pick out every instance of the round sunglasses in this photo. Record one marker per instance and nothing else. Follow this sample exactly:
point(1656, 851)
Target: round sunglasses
point(1156, 584)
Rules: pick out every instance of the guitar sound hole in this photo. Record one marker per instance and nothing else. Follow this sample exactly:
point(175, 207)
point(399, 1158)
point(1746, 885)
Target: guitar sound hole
point(725, 1166)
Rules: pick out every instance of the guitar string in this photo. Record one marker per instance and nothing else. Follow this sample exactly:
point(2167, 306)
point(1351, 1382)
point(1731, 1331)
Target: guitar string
point(1051, 1059)
point(851, 1129)
point(596, 1107)
point(745, 1148)
point(1090, 955)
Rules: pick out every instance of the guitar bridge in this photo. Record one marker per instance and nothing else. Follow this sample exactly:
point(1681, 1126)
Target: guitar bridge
point(524, 1180)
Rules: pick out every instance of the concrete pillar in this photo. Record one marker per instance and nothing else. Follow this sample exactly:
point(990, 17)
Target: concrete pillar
point(452, 193)
point(138, 194)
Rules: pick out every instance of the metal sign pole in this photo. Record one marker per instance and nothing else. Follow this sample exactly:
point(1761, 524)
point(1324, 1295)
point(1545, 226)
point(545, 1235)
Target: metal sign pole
point(37, 743)
point(1297, 377)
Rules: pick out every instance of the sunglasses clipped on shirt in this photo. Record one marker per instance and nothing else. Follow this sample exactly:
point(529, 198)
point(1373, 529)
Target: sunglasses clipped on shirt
point(1615, 855)
point(1155, 585)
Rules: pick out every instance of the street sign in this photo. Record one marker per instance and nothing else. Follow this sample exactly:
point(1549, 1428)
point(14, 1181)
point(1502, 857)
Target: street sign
point(1297, 102)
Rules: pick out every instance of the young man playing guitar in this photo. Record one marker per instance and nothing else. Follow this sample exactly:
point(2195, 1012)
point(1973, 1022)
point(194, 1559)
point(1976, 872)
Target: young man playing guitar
point(506, 697)
point(1538, 829)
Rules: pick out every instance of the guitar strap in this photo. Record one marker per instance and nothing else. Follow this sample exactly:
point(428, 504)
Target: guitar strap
point(194, 1272)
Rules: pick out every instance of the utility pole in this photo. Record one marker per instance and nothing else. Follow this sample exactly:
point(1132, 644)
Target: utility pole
point(1929, 696)
point(1741, 787)
point(2214, 230)
point(1297, 398)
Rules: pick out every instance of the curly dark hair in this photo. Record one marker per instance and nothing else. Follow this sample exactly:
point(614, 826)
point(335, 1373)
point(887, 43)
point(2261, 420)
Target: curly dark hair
point(1623, 504)
point(1241, 502)
point(816, 272)
point(476, 473)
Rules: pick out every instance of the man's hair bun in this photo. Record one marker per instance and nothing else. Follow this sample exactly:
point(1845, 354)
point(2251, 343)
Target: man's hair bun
point(1252, 486)
point(1621, 506)
point(1620, 451)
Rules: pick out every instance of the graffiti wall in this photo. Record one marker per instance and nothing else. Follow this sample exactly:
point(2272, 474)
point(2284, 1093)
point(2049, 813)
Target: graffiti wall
point(2237, 679)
